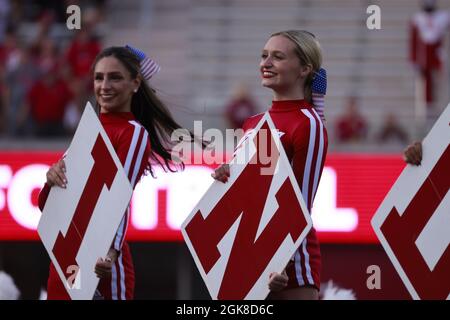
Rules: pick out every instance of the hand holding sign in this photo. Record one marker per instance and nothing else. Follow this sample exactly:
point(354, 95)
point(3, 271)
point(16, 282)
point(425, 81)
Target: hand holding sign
point(56, 175)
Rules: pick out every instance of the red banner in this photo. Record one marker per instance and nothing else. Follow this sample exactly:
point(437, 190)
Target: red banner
point(350, 191)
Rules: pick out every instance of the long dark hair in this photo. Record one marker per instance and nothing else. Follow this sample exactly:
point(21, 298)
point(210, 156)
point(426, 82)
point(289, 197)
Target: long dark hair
point(150, 111)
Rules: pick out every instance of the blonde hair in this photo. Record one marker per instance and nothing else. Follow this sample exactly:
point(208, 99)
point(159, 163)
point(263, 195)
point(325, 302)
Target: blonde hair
point(308, 51)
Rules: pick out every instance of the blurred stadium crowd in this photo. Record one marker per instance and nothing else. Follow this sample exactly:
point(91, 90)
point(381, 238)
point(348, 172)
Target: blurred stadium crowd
point(45, 68)
point(45, 79)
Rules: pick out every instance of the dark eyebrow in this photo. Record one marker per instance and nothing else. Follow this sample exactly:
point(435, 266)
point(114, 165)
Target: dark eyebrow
point(111, 73)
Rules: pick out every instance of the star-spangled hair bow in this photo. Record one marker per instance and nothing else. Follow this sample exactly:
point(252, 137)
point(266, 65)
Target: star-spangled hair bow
point(319, 83)
point(148, 67)
point(319, 89)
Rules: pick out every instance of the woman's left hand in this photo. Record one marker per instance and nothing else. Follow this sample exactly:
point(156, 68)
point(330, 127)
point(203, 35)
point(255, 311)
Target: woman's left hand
point(277, 281)
point(103, 267)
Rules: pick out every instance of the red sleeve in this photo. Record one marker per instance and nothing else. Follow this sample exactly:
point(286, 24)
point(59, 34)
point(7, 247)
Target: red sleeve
point(310, 147)
point(133, 150)
point(43, 195)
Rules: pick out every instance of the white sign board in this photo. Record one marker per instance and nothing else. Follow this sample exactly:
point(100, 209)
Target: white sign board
point(78, 223)
point(244, 229)
point(413, 221)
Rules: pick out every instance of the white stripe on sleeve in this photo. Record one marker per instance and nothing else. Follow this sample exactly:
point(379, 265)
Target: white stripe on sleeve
point(319, 158)
point(309, 156)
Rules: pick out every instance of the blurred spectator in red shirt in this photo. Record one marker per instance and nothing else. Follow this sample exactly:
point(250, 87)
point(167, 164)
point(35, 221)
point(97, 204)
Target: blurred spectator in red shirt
point(47, 101)
point(79, 57)
point(12, 59)
point(392, 130)
point(19, 79)
point(351, 126)
point(45, 54)
point(240, 107)
point(85, 46)
point(81, 53)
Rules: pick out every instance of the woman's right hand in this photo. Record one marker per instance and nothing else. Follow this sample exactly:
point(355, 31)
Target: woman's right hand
point(222, 173)
point(413, 153)
point(56, 175)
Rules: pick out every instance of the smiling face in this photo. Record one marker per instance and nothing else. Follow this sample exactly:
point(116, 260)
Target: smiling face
point(281, 69)
point(113, 85)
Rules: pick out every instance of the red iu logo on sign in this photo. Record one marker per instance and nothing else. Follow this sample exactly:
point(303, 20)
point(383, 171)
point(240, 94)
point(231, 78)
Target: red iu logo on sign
point(102, 174)
point(402, 231)
point(412, 223)
point(78, 223)
point(235, 223)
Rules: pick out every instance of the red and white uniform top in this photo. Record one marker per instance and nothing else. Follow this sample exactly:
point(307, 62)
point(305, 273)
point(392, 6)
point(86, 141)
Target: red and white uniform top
point(130, 141)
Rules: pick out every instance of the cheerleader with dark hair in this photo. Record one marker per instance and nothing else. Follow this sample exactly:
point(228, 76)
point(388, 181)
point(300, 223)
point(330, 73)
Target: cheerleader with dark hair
point(139, 126)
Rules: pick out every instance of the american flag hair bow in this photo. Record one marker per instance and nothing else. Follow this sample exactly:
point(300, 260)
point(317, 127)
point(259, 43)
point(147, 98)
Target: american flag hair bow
point(148, 67)
point(319, 89)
